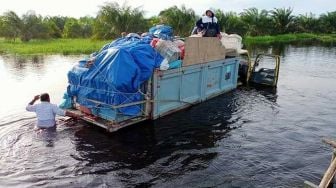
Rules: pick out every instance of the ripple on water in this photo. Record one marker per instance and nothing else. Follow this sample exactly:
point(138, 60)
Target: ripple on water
point(251, 137)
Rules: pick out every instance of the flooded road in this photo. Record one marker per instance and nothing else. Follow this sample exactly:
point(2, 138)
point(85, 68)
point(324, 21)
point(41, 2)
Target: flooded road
point(246, 138)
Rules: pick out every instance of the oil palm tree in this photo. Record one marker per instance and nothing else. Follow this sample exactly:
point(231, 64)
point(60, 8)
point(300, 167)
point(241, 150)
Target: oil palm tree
point(328, 22)
point(307, 23)
point(11, 24)
point(257, 23)
point(33, 26)
point(113, 19)
point(230, 22)
point(181, 19)
point(283, 20)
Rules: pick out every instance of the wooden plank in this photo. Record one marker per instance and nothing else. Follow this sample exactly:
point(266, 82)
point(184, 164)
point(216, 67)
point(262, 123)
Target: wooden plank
point(199, 50)
point(328, 175)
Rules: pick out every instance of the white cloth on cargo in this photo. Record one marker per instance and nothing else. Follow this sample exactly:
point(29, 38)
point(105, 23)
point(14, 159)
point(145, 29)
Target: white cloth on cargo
point(233, 42)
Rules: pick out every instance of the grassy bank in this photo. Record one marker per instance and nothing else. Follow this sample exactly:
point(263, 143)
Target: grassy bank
point(55, 46)
point(87, 46)
point(288, 38)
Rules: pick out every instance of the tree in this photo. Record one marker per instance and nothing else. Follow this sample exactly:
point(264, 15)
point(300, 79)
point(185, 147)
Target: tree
point(56, 25)
point(182, 20)
point(154, 20)
point(230, 22)
point(33, 27)
point(307, 23)
point(257, 23)
point(86, 24)
point(328, 22)
point(11, 24)
point(2, 26)
point(283, 20)
point(72, 29)
point(113, 19)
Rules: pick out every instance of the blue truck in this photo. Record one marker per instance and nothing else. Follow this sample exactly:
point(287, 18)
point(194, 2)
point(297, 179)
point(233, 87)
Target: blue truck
point(206, 72)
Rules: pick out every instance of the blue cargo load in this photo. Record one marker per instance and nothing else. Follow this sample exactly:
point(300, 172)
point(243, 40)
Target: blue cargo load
point(115, 76)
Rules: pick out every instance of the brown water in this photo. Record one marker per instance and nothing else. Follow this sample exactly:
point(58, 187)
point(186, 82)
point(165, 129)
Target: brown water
point(245, 138)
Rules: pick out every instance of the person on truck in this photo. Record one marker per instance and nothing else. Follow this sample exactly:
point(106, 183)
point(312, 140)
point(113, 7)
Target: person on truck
point(46, 111)
point(208, 25)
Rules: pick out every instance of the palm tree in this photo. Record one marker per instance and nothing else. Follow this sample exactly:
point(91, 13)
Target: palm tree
point(72, 28)
point(328, 22)
point(283, 20)
point(32, 26)
point(11, 25)
point(113, 19)
point(257, 22)
point(307, 23)
point(230, 22)
point(181, 19)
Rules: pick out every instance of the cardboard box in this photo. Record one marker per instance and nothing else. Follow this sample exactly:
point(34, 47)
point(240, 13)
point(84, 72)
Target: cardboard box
point(200, 50)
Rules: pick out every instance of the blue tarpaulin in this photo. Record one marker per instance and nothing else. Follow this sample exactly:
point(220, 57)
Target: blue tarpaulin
point(116, 75)
point(162, 31)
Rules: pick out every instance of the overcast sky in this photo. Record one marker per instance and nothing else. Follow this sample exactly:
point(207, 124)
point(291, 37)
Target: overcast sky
point(78, 8)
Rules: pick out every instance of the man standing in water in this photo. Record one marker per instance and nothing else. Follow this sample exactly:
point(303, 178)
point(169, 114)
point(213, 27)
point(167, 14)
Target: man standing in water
point(46, 111)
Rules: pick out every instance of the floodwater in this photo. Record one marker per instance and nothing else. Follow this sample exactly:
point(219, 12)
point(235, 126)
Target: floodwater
point(246, 138)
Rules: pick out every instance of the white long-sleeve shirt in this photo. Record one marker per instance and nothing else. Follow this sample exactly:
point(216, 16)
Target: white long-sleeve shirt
point(45, 112)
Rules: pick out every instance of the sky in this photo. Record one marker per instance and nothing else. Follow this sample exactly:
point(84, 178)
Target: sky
point(79, 8)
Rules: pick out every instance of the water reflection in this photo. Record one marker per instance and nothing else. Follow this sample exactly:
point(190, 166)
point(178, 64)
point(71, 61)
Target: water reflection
point(24, 77)
point(274, 49)
point(167, 148)
point(251, 137)
point(22, 66)
point(48, 136)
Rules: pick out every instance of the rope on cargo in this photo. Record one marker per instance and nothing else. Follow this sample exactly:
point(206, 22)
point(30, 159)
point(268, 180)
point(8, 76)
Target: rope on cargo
point(106, 91)
point(134, 103)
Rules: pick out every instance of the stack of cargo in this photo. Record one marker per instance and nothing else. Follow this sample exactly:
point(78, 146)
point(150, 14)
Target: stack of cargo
point(115, 75)
point(128, 80)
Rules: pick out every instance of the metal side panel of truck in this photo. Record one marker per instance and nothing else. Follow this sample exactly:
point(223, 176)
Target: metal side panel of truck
point(172, 90)
point(176, 89)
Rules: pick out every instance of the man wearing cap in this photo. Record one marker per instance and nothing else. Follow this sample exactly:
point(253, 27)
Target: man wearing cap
point(47, 111)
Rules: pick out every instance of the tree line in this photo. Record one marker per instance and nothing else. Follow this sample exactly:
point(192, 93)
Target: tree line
point(112, 19)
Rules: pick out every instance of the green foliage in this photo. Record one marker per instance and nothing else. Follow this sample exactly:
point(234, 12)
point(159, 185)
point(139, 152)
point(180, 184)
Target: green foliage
point(56, 25)
point(307, 24)
point(256, 23)
point(283, 20)
point(11, 24)
point(52, 46)
point(113, 19)
point(33, 27)
point(154, 20)
point(328, 22)
point(72, 29)
point(286, 38)
point(86, 26)
point(230, 22)
point(181, 19)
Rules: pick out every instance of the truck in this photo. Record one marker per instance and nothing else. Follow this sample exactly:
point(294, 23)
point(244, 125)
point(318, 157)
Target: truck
point(206, 72)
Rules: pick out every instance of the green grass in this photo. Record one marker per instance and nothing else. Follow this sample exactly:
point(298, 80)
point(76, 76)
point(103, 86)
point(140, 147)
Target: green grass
point(287, 38)
point(54, 46)
point(87, 46)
